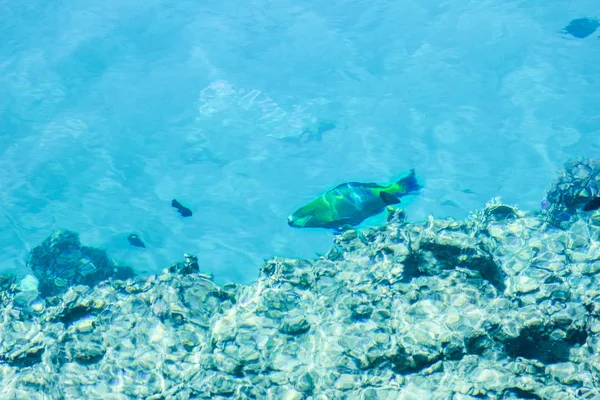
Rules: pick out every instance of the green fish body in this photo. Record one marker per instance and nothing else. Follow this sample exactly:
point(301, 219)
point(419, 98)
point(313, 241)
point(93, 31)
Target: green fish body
point(351, 203)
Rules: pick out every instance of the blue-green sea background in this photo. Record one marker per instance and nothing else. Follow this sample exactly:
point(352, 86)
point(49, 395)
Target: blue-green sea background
point(245, 110)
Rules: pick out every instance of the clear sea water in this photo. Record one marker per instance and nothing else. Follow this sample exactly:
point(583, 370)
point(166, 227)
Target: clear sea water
point(245, 111)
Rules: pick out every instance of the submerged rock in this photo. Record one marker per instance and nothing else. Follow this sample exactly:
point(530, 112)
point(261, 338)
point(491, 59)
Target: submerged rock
point(578, 184)
point(61, 261)
point(502, 305)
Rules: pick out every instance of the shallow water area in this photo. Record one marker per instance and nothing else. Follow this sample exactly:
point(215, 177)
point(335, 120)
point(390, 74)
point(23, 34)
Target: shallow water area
point(151, 152)
point(442, 309)
point(109, 111)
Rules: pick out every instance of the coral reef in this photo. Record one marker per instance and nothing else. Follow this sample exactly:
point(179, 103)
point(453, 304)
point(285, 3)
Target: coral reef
point(503, 305)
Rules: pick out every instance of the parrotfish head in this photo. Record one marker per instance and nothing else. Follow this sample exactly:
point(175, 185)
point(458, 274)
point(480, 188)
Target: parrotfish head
point(298, 222)
point(303, 217)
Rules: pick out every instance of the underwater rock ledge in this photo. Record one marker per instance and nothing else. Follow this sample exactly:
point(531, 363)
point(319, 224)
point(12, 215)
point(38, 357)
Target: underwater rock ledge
point(505, 304)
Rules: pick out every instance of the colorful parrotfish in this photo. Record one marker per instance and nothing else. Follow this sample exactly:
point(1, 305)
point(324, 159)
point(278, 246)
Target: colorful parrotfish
point(351, 203)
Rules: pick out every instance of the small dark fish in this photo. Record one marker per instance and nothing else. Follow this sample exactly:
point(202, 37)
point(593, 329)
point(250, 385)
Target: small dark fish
point(582, 27)
point(135, 240)
point(184, 211)
point(593, 205)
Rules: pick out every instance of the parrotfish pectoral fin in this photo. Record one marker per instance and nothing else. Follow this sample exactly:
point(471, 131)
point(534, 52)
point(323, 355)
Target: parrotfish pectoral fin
point(389, 199)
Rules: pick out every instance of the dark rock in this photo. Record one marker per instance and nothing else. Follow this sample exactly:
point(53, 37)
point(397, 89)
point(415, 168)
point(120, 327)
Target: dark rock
point(537, 343)
point(24, 359)
point(295, 325)
point(61, 261)
point(517, 393)
point(577, 185)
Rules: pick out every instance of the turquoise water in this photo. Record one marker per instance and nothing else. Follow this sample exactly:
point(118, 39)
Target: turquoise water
point(244, 112)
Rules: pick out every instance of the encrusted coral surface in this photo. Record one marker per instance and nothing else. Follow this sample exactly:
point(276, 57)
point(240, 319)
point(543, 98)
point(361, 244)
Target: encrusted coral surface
point(503, 305)
point(576, 185)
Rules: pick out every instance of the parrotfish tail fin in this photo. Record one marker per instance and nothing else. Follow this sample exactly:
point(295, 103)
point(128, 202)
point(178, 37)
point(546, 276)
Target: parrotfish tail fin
point(407, 184)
